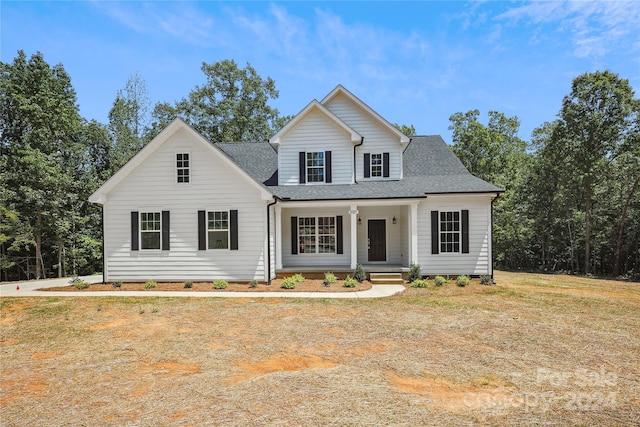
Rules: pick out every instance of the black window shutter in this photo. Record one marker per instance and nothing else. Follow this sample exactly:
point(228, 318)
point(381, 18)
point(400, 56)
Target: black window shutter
point(385, 165)
point(294, 235)
point(339, 249)
point(233, 222)
point(302, 159)
point(434, 233)
point(165, 230)
point(134, 231)
point(202, 231)
point(327, 166)
point(465, 231)
point(367, 165)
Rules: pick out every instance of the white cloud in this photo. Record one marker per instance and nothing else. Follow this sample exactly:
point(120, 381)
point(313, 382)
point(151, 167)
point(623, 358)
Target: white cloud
point(596, 27)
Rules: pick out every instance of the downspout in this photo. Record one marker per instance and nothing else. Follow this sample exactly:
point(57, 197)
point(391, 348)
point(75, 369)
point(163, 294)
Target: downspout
point(355, 174)
point(275, 200)
point(492, 251)
point(104, 259)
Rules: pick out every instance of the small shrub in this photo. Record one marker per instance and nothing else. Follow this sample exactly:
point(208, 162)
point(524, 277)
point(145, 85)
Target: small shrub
point(188, 284)
point(117, 284)
point(80, 284)
point(220, 284)
point(349, 282)
point(289, 283)
point(439, 280)
point(415, 273)
point(463, 280)
point(359, 273)
point(419, 283)
point(486, 280)
point(329, 278)
point(150, 284)
point(253, 283)
point(299, 278)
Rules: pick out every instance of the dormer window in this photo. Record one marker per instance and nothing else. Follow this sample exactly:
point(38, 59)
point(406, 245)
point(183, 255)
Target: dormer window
point(182, 168)
point(315, 166)
point(376, 165)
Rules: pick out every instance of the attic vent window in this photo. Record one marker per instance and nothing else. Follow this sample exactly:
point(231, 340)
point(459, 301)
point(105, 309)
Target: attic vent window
point(182, 167)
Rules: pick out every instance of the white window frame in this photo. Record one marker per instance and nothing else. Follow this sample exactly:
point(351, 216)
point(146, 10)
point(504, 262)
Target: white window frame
point(376, 170)
point(311, 167)
point(320, 239)
point(446, 245)
point(180, 168)
point(143, 219)
point(210, 244)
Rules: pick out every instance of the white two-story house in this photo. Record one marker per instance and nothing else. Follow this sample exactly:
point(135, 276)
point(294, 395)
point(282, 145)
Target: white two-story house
point(336, 187)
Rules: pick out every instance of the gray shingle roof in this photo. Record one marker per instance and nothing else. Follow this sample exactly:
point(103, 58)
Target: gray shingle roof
point(430, 167)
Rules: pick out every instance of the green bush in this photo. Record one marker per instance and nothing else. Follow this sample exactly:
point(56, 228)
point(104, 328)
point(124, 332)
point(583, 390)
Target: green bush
point(349, 282)
point(117, 284)
point(299, 278)
point(150, 285)
point(486, 280)
point(289, 283)
point(415, 273)
point(253, 283)
point(439, 281)
point(329, 278)
point(419, 283)
point(220, 284)
point(80, 284)
point(359, 273)
point(463, 280)
point(188, 284)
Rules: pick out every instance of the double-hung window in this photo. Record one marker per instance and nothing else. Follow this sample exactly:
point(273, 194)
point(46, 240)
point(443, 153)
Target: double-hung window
point(450, 232)
point(218, 229)
point(315, 166)
point(182, 168)
point(317, 235)
point(376, 165)
point(150, 230)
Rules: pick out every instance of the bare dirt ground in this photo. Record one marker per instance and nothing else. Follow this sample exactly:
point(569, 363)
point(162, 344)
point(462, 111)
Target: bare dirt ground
point(306, 286)
point(533, 350)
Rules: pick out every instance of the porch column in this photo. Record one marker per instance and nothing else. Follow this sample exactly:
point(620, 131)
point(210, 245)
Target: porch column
point(413, 236)
point(278, 212)
point(353, 212)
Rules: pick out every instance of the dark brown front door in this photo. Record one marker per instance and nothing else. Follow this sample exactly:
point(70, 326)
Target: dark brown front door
point(377, 240)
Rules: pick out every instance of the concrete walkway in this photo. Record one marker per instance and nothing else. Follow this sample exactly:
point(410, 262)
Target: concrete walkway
point(29, 289)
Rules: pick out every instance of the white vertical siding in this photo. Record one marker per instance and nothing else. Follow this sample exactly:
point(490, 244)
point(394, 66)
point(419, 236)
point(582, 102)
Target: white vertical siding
point(316, 133)
point(214, 186)
point(478, 260)
point(377, 139)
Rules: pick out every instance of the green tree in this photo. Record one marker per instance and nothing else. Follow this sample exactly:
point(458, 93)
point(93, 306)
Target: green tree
point(409, 130)
point(231, 106)
point(593, 122)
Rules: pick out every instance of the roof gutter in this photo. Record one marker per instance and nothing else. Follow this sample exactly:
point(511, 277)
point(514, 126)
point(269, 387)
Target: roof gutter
point(275, 200)
point(355, 180)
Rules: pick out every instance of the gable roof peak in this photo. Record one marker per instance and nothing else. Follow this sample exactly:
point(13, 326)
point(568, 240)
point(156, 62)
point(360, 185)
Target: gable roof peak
point(339, 89)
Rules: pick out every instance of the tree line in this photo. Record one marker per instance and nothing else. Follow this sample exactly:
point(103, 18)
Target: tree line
point(571, 193)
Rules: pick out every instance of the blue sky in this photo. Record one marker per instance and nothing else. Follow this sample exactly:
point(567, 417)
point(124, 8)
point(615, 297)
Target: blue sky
point(413, 62)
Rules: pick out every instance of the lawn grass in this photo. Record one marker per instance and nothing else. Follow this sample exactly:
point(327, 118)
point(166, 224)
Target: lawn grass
point(533, 350)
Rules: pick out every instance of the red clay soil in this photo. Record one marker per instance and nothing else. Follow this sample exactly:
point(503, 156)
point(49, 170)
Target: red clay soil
point(306, 286)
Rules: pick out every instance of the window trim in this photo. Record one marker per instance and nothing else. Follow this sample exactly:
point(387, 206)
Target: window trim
point(441, 242)
point(187, 168)
point(316, 235)
point(228, 229)
point(141, 231)
point(380, 165)
point(307, 168)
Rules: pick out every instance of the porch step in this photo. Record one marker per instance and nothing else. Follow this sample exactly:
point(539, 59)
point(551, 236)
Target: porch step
point(386, 278)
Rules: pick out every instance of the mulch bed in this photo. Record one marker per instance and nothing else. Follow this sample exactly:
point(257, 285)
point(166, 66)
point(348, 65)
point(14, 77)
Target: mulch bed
point(306, 286)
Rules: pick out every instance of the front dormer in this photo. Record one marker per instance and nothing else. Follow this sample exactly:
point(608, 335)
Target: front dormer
point(320, 144)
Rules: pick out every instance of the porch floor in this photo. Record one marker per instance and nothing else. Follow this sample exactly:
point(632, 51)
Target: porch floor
point(340, 270)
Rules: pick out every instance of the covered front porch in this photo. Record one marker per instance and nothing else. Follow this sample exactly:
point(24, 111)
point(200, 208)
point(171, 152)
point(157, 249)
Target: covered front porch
point(320, 236)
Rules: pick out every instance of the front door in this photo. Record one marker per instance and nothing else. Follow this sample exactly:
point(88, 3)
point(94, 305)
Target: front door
point(377, 240)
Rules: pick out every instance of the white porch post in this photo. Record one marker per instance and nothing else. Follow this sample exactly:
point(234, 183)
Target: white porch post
point(353, 212)
point(413, 230)
point(278, 212)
